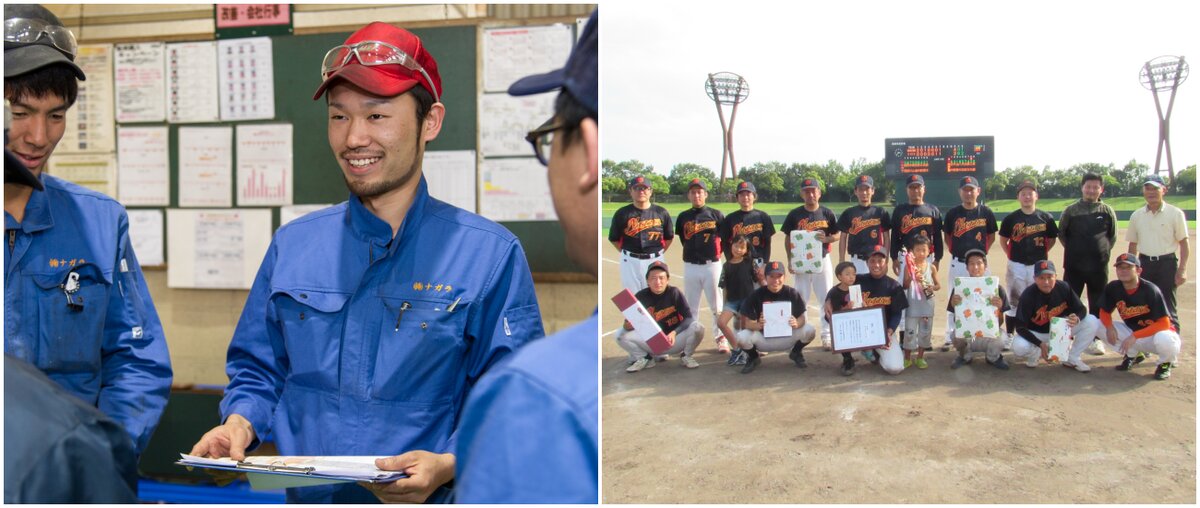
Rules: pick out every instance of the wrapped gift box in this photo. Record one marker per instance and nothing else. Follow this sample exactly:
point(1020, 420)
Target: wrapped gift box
point(807, 252)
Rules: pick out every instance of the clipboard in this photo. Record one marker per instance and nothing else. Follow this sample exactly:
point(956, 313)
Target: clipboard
point(269, 473)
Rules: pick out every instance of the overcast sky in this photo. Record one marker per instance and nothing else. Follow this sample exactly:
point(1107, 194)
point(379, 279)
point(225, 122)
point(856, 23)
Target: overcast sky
point(1056, 83)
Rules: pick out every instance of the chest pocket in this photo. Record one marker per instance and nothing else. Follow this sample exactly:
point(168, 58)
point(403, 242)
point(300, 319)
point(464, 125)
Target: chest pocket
point(421, 350)
point(71, 333)
point(312, 323)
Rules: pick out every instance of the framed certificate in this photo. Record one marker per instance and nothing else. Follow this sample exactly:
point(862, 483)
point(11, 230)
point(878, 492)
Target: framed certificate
point(858, 329)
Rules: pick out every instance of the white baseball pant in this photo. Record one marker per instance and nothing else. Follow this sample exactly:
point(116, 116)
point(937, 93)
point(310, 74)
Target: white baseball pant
point(1164, 344)
point(1082, 334)
point(686, 340)
point(754, 339)
point(815, 283)
point(633, 271)
point(697, 278)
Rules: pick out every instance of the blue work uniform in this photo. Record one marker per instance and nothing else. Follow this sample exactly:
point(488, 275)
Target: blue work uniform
point(102, 342)
point(529, 432)
point(353, 342)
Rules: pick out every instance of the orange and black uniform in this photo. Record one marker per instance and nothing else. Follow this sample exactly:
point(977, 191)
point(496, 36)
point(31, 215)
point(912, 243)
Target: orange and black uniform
point(1144, 309)
point(670, 309)
point(1035, 309)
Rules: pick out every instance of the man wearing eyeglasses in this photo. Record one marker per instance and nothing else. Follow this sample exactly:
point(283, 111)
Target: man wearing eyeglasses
point(641, 231)
point(75, 303)
point(370, 321)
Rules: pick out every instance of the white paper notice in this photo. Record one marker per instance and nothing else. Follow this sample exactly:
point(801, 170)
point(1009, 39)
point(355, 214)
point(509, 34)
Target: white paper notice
point(146, 235)
point(216, 248)
point(219, 252)
point(264, 164)
point(192, 82)
point(504, 121)
point(247, 79)
point(206, 166)
point(90, 120)
point(143, 166)
point(510, 54)
point(775, 316)
point(292, 212)
point(451, 177)
point(141, 87)
point(856, 300)
point(515, 190)
point(96, 171)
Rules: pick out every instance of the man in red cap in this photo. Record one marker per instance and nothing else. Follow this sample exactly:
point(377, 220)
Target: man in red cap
point(371, 320)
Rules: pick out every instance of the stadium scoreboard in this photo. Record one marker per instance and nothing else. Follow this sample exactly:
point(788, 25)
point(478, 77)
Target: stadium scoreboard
point(949, 157)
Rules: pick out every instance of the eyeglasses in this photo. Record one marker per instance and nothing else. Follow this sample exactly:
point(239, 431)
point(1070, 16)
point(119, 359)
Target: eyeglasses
point(542, 138)
point(370, 53)
point(28, 31)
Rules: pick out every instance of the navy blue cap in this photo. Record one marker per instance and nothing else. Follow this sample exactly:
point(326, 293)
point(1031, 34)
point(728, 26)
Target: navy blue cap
point(914, 179)
point(1155, 180)
point(747, 187)
point(696, 182)
point(637, 180)
point(578, 76)
point(968, 181)
point(1044, 266)
point(877, 250)
point(865, 180)
point(809, 183)
point(1128, 258)
point(657, 265)
point(774, 268)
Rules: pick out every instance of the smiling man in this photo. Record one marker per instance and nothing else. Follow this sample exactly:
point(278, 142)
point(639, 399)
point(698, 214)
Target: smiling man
point(370, 321)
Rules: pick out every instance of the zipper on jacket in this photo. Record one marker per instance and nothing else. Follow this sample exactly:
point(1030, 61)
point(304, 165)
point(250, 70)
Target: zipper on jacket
point(403, 307)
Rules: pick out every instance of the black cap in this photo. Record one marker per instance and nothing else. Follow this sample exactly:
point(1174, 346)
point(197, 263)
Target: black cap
point(1027, 184)
point(20, 57)
point(865, 180)
point(914, 180)
point(809, 183)
point(1128, 258)
point(1044, 266)
point(578, 77)
point(637, 180)
point(774, 268)
point(696, 182)
point(877, 250)
point(657, 265)
point(747, 187)
point(968, 181)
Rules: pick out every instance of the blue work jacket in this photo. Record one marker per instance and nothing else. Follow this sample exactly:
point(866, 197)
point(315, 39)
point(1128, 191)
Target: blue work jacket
point(529, 431)
point(356, 343)
point(109, 347)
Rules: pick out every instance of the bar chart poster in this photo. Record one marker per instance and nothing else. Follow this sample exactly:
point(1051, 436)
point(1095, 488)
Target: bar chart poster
point(264, 165)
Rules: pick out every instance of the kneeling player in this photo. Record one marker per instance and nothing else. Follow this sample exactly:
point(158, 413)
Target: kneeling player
point(670, 309)
point(991, 347)
point(751, 338)
point(1146, 324)
point(1047, 298)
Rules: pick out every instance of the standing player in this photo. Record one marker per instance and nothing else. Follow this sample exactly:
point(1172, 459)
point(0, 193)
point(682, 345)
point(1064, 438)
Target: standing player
point(1088, 229)
point(751, 338)
point(697, 226)
point(813, 217)
point(1028, 235)
point(912, 219)
point(1046, 299)
point(1146, 325)
point(670, 309)
point(641, 232)
point(755, 225)
point(1154, 232)
point(969, 226)
point(865, 226)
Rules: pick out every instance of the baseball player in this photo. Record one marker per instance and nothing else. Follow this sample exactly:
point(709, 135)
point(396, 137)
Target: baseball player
point(1048, 298)
point(1028, 235)
point(969, 226)
point(991, 347)
point(880, 290)
point(813, 217)
point(912, 219)
point(697, 227)
point(751, 338)
point(642, 232)
point(670, 309)
point(865, 226)
point(756, 225)
point(1145, 325)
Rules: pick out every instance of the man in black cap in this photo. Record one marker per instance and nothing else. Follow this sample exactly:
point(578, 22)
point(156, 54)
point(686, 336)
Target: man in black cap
point(641, 231)
point(667, 305)
point(1028, 234)
point(812, 216)
point(754, 224)
point(910, 220)
point(1047, 299)
point(75, 303)
point(865, 226)
point(1145, 325)
point(697, 229)
point(968, 226)
point(752, 339)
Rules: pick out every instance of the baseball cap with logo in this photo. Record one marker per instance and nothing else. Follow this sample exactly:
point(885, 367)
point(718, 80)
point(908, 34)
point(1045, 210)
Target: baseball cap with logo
point(657, 265)
point(578, 77)
point(637, 181)
point(809, 183)
point(1155, 180)
point(1027, 184)
point(865, 180)
point(747, 187)
point(774, 268)
point(382, 59)
point(1128, 259)
point(696, 182)
point(877, 250)
point(1043, 267)
point(34, 38)
point(914, 180)
point(968, 181)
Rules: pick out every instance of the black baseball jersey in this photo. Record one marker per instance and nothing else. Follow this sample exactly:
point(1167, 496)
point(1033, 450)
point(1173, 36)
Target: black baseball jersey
point(756, 225)
point(1035, 308)
point(1029, 235)
point(908, 221)
point(1144, 310)
point(837, 298)
point(641, 231)
point(801, 219)
point(752, 306)
point(737, 279)
point(865, 227)
point(968, 229)
point(698, 229)
point(670, 309)
point(883, 292)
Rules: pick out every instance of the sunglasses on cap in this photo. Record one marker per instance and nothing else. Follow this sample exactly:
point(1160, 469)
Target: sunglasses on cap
point(371, 53)
point(28, 31)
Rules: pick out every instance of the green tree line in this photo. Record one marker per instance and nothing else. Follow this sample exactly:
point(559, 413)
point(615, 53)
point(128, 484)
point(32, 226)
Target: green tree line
point(780, 182)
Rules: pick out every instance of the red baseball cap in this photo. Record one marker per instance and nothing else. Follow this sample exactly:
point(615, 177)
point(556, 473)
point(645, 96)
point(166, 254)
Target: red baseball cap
point(387, 80)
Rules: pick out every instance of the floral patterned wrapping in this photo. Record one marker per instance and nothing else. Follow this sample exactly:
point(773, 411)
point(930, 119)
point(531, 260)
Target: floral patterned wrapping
point(975, 317)
point(807, 252)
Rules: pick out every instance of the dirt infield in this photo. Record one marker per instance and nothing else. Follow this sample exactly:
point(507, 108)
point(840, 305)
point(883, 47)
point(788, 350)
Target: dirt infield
point(972, 435)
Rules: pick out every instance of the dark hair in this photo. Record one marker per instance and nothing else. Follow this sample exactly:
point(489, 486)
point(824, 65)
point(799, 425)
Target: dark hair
point(841, 267)
point(978, 255)
point(58, 80)
point(424, 102)
point(920, 240)
point(570, 113)
point(1092, 176)
point(739, 239)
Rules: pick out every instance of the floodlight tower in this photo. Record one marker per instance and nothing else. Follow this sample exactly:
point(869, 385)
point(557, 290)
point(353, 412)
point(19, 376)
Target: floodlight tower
point(1159, 75)
point(729, 89)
